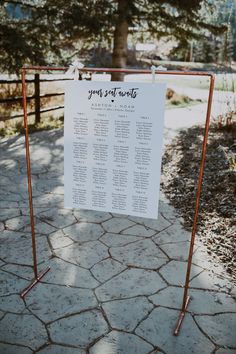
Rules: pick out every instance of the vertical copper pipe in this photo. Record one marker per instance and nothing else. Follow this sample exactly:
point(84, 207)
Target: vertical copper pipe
point(27, 151)
point(37, 97)
point(198, 194)
point(181, 317)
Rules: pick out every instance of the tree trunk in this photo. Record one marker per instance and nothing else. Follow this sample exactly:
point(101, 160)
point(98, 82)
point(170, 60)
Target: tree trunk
point(119, 56)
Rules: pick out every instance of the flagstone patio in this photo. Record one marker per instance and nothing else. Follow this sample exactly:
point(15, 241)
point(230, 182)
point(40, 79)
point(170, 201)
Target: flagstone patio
point(116, 282)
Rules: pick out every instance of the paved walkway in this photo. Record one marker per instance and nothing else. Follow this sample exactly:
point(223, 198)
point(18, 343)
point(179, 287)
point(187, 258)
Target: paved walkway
point(116, 282)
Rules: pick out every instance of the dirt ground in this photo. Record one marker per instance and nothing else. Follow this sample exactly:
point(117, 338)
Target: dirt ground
point(217, 218)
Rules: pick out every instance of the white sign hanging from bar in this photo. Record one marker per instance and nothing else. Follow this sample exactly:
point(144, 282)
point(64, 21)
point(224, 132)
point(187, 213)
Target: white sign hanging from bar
point(113, 145)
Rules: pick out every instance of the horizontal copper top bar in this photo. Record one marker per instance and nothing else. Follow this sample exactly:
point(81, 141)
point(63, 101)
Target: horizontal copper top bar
point(124, 71)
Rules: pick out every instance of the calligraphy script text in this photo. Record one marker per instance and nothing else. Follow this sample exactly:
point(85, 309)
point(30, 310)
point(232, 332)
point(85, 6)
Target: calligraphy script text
point(114, 92)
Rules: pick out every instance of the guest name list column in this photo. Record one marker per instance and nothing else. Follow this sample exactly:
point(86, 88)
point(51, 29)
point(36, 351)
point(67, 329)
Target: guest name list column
point(113, 142)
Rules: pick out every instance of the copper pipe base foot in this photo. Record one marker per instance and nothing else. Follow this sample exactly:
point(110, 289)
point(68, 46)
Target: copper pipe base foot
point(34, 282)
point(181, 317)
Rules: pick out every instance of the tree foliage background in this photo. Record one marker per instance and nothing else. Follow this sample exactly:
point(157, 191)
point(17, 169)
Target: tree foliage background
point(219, 48)
point(54, 32)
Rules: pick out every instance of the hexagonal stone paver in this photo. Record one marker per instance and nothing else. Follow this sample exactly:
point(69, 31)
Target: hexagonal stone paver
point(25, 272)
point(178, 250)
point(158, 225)
point(58, 239)
point(116, 225)
point(174, 233)
point(139, 230)
point(14, 349)
point(130, 283)
point(5, 204)
point(8, 165)
point(106, 269)
point(58, 349)
point(21, 252)
point(158, 329)
point(91, 215)
point(167, 210)
point(201, 301)
point(12, 303)
point(4, 181)
point(85, 255)
point(11, 237)
point(18, 222)
point(121, 343)
point(55, 172)
point(2, 226)
point(48, 200)
point(41, 227)
point(58, 218)
point(233, 291)
point(209, 280)
point(84, 231)
point(64, 273)
point(37, 210)
point(226, 351)
point(23, 329)
point(117, 215)
point(50, 185)
point(175, 271)
point(10, 197)
point(144, 254)
point(111, 239)
point(215, 327)
point(205, 261)
point(49, 302)
point(78, 330)
point(126, 314)
point(10, 284)
point(170, 297)
point(19, 186)
point(209, 302)
point(8, 213)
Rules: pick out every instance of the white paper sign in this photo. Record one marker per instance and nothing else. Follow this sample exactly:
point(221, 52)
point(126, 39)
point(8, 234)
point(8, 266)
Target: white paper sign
point(113, 146)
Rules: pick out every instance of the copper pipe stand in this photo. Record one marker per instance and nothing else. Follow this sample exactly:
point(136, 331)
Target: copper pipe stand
point(181, 316)
point(34, 282)
point(211, 76)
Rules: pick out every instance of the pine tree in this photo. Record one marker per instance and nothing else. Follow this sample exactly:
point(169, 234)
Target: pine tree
point(225, 15)
point(228, 47)
point(47, 29)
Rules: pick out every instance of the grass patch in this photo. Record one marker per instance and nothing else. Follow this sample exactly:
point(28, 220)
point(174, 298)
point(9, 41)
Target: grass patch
point(18, 128)
point(222, 83)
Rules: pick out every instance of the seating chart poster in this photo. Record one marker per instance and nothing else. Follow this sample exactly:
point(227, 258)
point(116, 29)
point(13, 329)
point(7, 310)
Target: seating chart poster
point(113, 139)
